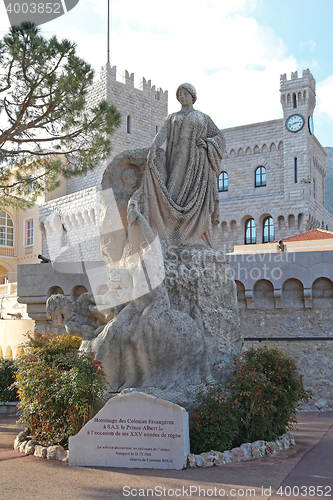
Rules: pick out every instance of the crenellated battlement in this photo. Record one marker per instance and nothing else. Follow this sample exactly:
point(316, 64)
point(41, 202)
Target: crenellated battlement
point(108, 76)
point(306, 79)
point(143, 109)
point(298, 91)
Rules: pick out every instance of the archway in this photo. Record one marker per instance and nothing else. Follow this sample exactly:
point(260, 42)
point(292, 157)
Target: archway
point(293, 294)
point(322, 293)
point(9, 352)
point(240, 294)
point(54, 290)
point(263, 295)
point(77, 291)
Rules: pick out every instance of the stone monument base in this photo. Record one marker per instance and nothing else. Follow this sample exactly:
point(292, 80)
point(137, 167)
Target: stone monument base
point(133, 430)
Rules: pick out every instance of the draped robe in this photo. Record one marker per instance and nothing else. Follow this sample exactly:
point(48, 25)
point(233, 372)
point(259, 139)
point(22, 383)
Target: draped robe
point(178, 198)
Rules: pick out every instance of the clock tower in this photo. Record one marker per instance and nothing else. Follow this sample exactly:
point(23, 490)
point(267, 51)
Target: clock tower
point(304, 161)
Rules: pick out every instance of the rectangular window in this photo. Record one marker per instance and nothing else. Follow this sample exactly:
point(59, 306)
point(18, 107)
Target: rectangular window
point(295, 171)
point(29, 232)
point(314, 187)
point(31, 184)
point(2, 236)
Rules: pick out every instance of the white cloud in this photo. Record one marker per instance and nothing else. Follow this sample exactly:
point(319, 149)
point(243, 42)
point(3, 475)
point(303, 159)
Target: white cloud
point(310, 45)
point(325, 99)
point(4, 21)
point(233, 61)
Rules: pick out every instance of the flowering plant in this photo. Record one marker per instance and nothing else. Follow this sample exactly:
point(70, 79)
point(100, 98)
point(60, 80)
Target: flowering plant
point(260, 403)
point(214, 422)
point(268, 389)
point(59, 388)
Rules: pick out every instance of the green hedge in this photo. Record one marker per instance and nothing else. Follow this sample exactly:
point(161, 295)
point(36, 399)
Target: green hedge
point(261, 403)
point(8, 392)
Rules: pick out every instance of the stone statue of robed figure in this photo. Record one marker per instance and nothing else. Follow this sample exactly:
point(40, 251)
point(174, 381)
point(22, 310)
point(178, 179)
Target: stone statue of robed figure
point(179, 192)
point(170, 315)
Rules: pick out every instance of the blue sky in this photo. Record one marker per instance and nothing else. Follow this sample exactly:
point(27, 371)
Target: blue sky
point(233, 51)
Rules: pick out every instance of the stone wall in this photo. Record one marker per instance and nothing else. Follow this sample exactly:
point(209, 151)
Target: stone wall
point(329, 180)
point(314, 358)
point(143, 110)
point(289, 295)
point(70, 227)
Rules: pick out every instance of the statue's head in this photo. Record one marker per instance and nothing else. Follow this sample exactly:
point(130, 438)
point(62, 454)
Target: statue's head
point(130, 178)
point(58, 307)
point(190, 88)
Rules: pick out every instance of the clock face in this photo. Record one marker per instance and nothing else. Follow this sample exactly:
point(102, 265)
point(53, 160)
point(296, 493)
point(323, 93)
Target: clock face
point(294, 123)
point(311, 125)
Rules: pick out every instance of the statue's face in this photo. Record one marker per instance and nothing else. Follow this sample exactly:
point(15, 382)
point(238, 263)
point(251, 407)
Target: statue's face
point(184, 97)
point(121, 284)
point(129, 177)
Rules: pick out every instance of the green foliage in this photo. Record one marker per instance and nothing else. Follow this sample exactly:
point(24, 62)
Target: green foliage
point(47, 129)
point(59, 388)
point(264, 394)
point(214, 423)
point(8, 392)
point(268, 389)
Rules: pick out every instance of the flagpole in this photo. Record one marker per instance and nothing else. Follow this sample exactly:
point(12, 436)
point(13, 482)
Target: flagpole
point(108, 34)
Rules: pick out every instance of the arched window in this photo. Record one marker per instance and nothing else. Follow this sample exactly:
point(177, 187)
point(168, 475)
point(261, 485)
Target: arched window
point(260, 177)
point(6, 229)
point(250, 232)
point(268, 230)
point(223, 181)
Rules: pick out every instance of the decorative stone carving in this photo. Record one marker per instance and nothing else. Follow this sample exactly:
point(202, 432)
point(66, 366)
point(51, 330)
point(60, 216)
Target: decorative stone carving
point(81, 318)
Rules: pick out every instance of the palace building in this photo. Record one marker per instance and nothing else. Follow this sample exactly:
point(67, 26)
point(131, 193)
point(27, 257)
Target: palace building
point(272, 183)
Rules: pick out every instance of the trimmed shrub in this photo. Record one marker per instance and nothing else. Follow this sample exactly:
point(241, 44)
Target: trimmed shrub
point(59, 388)
point(8, 392)
point(268, 390)
point(261, 403)
point(214, 423)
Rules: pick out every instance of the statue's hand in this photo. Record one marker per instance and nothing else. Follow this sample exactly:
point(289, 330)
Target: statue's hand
point(201, 143)
point(132, 212)
point(151, 157)
point(215, 219)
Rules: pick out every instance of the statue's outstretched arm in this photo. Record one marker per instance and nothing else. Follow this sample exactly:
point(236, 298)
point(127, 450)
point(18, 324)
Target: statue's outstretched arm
point(157, 143)
point(133, 215)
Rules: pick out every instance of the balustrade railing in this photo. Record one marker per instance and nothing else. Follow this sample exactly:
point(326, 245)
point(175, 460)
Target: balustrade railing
point(7, 251)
